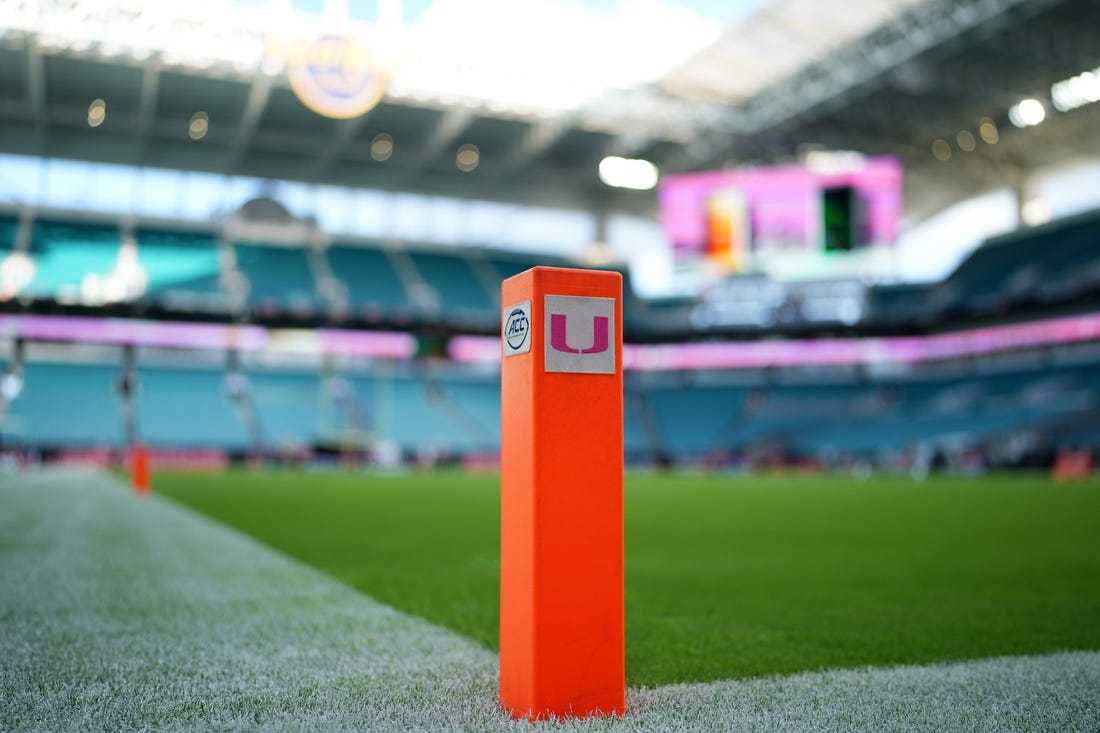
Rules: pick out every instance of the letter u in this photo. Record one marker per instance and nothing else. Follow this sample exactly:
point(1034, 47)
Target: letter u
point(559, 341)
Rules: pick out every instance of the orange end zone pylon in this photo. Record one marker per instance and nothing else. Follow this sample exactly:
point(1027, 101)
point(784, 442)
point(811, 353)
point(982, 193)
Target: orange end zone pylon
point(139, 468)
point(561, 570)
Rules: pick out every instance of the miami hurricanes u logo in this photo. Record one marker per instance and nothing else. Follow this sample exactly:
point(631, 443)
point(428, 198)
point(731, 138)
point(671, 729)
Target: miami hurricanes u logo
point(579, 334)
point(559, 341)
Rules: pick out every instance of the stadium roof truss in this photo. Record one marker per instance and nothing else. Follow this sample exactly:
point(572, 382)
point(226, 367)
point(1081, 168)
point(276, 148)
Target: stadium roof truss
point(880, 77)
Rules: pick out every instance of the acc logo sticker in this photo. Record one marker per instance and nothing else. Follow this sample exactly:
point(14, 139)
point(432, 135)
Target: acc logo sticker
point(516, 330)
point(334, 76)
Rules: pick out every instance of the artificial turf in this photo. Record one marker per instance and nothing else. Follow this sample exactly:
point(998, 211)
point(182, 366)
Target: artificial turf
point(121, 612)
point(726, 577)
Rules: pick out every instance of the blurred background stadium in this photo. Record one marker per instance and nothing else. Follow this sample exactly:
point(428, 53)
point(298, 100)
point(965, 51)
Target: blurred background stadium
point(275, 231)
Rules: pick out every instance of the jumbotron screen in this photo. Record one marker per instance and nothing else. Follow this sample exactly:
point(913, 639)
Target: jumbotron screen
point(740, 219)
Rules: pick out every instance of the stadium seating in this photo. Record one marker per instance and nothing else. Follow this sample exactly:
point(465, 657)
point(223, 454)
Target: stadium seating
point(180, 267)
point(1072, 266)
point(289, 406)
point(982, 283)
point(899, 306)
point(638, 423)
point(188, 407)
point(372, 286)
point(639, 315)
point(463, 296)
point(65, 405)
point(412, 414)
point(688, 416)
point(692, 420)
point(1054, 263)
point(476, 403)
point(455, 411)
point(509, 264)
point(183, 271)
point(67, 253)
point(9, 225)
point(280, 279)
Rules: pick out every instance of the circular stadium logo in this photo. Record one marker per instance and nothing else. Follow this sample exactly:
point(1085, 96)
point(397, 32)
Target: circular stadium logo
point(335, 76)
point(516, 328)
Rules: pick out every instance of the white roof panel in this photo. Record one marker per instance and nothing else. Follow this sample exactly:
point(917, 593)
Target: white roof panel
point(774, 42)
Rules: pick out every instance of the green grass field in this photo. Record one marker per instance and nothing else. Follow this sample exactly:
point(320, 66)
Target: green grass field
point(725, 577)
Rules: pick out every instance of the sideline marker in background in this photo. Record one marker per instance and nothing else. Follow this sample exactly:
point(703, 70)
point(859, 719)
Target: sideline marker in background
point(562, 646)
point(139, 469)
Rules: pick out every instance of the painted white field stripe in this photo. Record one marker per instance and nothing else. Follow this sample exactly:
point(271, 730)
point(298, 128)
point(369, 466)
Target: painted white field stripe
point(1058, 692)
point(120, 613)
point(127, 612)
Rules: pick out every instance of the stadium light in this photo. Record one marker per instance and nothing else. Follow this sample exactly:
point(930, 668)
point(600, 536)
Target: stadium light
point(97, 113)
point(199, 126)
point(1077, 91)
point(965, 140)
point(834, 161)
point(1035, 212)
point(628, 173)
point(1027, 113)
point(989, 132)
point(467, 158)
point(381, 147)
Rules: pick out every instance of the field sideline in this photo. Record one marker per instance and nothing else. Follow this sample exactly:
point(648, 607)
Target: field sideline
point(121, 612)
point(726, 577)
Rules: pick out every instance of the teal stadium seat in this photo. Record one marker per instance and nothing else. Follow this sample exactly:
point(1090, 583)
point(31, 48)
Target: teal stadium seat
point(1071, 258)
point(402, 411)
point(693, 419)
point(416, 422)
point(1059, 261)
point(9, 226)
point(982, 277)
point(635, 440)
point(178, 262)
point(280, 278)
point(638, 315)
point(474, 404)
point(902, 304)
point(508, 265)
point(66, 405)
point(372, 283)
point(65, 253)
point(186, 407)
point(1061, 253)
point(290, 407)
point(460, 289)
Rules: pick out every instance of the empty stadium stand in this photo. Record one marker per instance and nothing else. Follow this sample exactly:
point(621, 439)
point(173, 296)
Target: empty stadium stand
point(688, 417)
point(506, 265)
point(371, 286)
point(9, 225)
point(1055, 263)
point(289, 406)
point(182, 268)
point(187, 407)
point(185, 272)
point(65, 405)
point(449, 409)
point(68, 254)
point(279, 280)
point(461, 293)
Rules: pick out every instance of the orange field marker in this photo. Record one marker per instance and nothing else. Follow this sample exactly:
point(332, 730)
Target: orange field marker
point(561, 568)
point(139, 469)
point(1071, 464)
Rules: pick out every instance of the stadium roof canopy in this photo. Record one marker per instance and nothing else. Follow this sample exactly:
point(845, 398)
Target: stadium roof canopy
point(545, 89)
